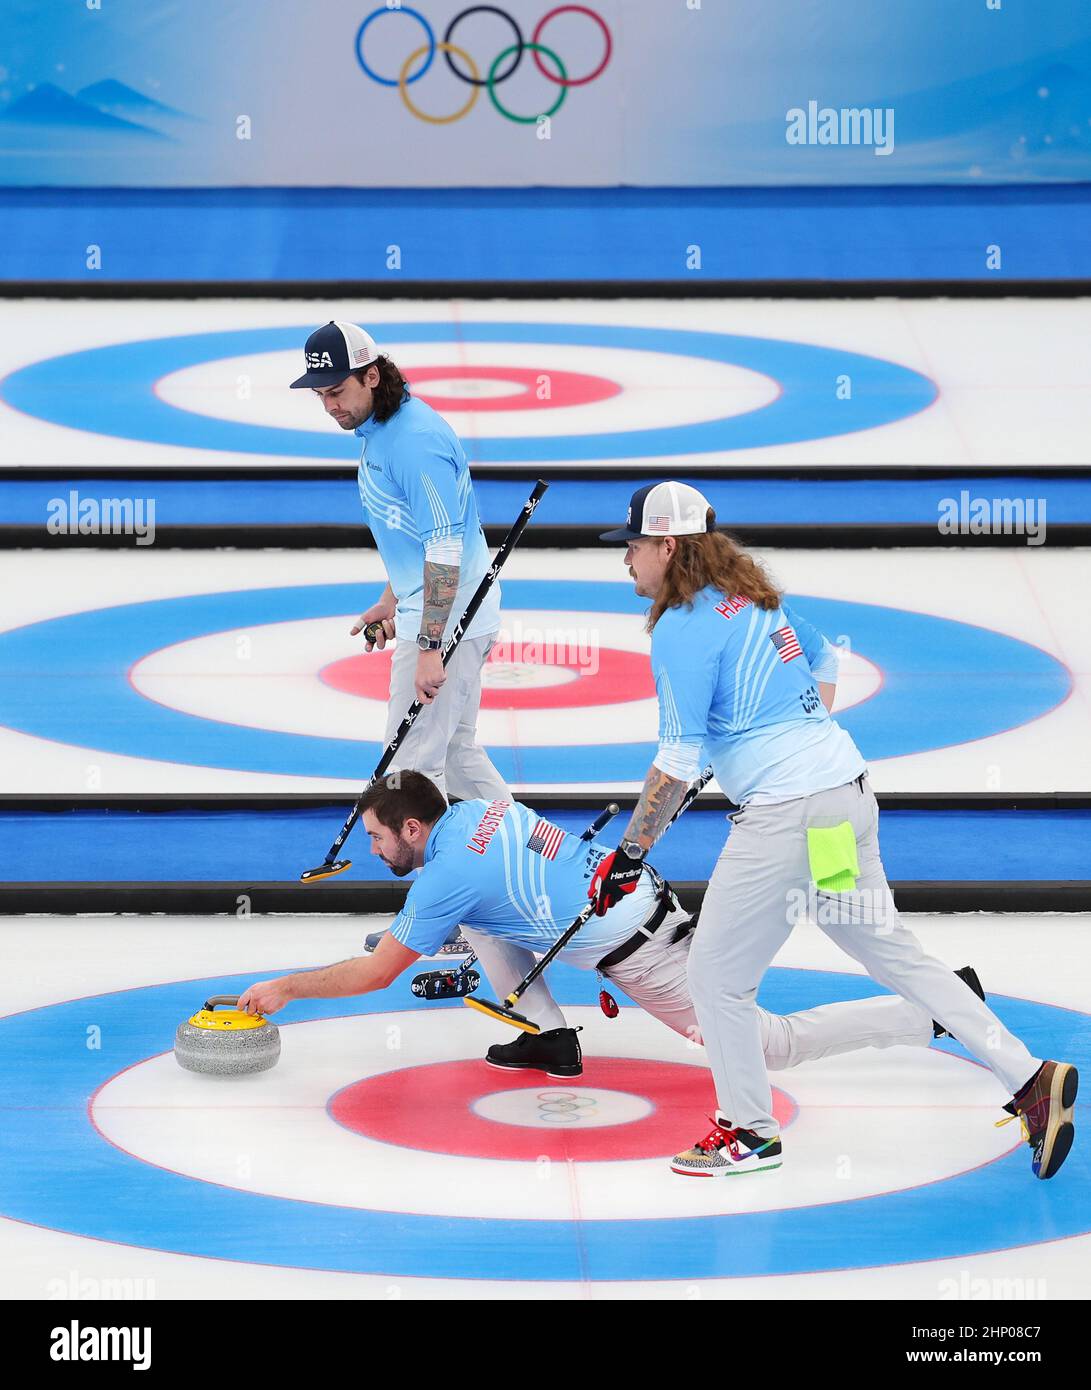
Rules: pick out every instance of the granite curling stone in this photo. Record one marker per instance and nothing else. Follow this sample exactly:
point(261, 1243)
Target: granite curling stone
point(227, 1042)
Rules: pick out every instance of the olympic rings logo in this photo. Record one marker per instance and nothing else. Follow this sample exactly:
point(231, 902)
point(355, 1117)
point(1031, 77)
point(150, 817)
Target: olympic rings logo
point(565, 1107)
point(508, 60)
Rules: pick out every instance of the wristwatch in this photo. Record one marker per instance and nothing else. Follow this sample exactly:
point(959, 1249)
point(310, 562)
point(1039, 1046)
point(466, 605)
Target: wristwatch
point(429, 644)
point(633, 849)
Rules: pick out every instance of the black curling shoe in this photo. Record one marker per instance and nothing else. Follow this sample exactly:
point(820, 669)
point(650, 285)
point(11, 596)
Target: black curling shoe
point(557, 1053)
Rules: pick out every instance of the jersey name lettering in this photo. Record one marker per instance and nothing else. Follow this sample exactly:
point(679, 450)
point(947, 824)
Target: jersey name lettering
point(487, 826)
point(730, 606)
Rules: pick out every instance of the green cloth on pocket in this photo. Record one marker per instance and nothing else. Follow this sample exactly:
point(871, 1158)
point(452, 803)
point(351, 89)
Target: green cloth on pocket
point(832, 853)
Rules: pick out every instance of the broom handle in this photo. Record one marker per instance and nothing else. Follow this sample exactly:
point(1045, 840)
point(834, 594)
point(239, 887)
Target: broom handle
point(562, 941)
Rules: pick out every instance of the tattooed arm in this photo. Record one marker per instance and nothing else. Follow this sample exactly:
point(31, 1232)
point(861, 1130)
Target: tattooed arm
point(619, 873)
point(661, 797)
point(440, 588)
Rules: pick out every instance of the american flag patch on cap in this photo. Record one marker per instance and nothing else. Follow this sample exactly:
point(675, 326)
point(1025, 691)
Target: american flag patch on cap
point(659, 523)
point(786, 643)
point(545, 839)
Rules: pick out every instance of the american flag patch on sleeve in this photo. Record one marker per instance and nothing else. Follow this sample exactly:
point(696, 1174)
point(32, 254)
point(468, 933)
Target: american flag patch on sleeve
point(786, 643)
point(545, 839)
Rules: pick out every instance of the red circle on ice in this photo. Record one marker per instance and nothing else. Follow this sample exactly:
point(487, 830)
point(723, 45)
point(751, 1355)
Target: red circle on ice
point(448, 1108)
point(507, 388)
point(528, 677)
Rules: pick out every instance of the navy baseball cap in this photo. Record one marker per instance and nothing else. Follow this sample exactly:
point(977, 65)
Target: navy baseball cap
point(333, 352)
point(663, 509)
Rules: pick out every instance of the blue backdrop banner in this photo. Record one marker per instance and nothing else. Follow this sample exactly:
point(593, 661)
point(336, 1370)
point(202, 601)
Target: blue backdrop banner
point(648, 92)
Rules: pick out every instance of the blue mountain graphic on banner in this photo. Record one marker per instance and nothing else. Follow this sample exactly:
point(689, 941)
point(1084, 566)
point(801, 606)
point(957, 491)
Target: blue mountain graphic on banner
point(48, 105)
point(119, 99)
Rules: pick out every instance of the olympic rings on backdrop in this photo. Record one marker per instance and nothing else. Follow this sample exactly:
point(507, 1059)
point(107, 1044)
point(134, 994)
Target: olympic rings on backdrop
point(576, 9)
point(402, 9)
point(513, 54)
point(404, 80)
point(490, 9)
point(510, 115)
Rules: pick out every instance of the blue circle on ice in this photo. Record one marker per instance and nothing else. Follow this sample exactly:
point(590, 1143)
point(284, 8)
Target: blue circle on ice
point(58, 1172)
point(111, 390)
point(944, 682)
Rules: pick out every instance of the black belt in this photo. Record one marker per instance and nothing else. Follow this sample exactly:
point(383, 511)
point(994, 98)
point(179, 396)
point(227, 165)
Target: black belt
point(665, 905)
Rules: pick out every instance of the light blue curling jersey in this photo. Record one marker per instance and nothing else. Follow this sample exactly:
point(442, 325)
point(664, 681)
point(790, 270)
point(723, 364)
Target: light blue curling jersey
point(500, 867)
point(741, 684)
point(415, 487)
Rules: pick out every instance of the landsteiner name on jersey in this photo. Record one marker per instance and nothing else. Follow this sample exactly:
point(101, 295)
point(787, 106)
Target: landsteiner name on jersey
point(487, 826)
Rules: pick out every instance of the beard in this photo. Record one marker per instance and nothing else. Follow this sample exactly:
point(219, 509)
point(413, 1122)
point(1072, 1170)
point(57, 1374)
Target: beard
point(401, 866)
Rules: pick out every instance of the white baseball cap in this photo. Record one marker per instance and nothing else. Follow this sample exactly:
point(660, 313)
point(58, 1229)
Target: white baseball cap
point(333, 352)
point(663, 509)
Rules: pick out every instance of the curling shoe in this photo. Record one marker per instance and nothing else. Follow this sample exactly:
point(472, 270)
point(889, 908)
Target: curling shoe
point(726, 1152)
point(1044, 1109)
point(556, 1052)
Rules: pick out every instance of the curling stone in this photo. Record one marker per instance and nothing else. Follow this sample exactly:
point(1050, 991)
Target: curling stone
point(228, 1042)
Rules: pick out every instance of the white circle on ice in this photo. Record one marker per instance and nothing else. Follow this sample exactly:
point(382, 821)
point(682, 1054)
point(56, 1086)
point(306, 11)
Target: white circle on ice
point(476, 388)
point(591, 1107)
point(858, 679)
point(277, 1121)
point(221, 675)
point(657, 389)
point(518, 675)
point(216, 677)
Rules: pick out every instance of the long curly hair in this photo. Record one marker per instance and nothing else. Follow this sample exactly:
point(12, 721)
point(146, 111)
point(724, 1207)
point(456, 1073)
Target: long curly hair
point(713, 558)
point(391, 392)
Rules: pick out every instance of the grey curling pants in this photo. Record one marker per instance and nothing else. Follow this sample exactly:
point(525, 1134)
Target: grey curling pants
point(443, 742)
point(760, 888)
point(655, 977)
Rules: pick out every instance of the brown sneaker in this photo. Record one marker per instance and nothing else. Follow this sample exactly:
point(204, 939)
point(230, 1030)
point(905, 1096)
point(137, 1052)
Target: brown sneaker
point(1044, 1107)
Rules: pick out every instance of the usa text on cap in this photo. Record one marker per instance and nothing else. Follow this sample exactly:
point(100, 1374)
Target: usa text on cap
point(333, 351)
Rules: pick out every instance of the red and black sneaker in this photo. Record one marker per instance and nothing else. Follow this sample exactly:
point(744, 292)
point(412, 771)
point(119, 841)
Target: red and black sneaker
point(1044, 1109)
point(725, 1152)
